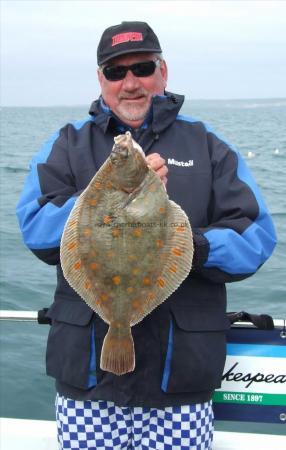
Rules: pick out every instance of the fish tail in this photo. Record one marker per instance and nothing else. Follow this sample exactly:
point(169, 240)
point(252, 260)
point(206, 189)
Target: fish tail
point(117, 355)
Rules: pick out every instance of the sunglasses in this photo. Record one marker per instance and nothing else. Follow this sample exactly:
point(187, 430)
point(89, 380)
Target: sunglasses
point(140, 69)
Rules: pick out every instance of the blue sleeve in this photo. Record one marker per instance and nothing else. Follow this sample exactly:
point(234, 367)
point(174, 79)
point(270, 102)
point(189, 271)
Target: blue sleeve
point(48, 196)
point(241, 234)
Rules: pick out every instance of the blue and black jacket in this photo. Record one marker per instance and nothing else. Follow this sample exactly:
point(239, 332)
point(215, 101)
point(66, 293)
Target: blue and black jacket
point(180, 346)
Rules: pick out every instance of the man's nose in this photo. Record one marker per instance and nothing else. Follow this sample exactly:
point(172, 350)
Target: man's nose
point(130, 81)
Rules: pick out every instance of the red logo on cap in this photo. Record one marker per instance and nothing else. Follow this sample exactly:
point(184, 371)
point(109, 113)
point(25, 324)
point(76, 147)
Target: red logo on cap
point(126, 37)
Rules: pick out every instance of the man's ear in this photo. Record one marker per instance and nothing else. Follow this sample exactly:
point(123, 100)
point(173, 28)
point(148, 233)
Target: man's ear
point(100, 76)
point(164, 71)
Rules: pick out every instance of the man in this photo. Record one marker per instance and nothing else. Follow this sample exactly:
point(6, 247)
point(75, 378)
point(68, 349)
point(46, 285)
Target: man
point(180, 347)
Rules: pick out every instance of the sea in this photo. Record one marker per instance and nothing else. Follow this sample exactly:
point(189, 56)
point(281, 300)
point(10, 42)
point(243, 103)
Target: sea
point(257, 128)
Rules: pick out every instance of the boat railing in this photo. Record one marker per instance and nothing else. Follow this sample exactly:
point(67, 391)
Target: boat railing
point(42, 319)
point(25, 316)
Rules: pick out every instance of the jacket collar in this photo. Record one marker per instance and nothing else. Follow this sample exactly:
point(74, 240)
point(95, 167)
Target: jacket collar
point(164, 110)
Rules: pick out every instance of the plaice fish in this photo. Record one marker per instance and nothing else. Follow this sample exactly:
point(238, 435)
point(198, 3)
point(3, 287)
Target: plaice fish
point(125, 248)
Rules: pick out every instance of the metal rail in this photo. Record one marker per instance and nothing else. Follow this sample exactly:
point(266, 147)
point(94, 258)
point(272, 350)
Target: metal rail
point(277, 323)
point(33, 316)
point(19, 316)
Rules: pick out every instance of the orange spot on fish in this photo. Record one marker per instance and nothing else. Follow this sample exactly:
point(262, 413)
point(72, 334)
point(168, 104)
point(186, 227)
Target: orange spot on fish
point(162, 210)
point(176, 251)
point(160, 282)
point(109, 168)
point(92, 202)
point(72, 245)
point(151, 297)
point(110, 254)
point(136, 304)
point(159, 243)
point(93, 266)
point(98, 185)
point(87, 232)
point(116, 279)
point(107, 219)
point(137, 232)
point(130, 289)
point(173, 268)
point(77, 265)
point(146, 281)
point(115, 232)
point(180, 229)
point(87, 284)
point(101, 299)
point(109, 185)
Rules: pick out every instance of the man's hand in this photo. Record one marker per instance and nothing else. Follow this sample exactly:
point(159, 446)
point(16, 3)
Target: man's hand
point(157, 163)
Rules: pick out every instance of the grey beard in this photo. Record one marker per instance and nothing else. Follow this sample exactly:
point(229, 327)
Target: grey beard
point(133, 113)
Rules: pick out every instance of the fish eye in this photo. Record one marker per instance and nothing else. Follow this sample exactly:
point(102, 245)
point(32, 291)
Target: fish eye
point(118, 159)
point(119, 152)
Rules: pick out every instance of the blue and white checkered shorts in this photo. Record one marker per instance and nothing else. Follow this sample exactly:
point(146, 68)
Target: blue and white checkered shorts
point(101, 425)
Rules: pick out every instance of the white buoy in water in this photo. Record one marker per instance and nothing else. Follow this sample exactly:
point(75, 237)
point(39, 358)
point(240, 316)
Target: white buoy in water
point(250, 155)
point(276, 151)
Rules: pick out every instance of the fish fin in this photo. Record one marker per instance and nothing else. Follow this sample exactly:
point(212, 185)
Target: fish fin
point(176, 265)
point(72, 251)
point(117, 354)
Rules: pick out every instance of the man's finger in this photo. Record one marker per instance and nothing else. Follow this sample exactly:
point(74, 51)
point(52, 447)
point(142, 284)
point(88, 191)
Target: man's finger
point(155, 161)
point(162, 172)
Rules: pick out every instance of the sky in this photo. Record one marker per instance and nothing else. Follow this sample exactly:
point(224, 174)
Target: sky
point(214, 49)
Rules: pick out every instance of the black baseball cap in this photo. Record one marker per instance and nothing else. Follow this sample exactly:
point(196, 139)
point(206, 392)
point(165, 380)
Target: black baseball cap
point(127, 37)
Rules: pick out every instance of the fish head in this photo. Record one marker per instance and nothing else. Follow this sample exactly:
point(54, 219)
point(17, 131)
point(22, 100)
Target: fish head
point(128, 161)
